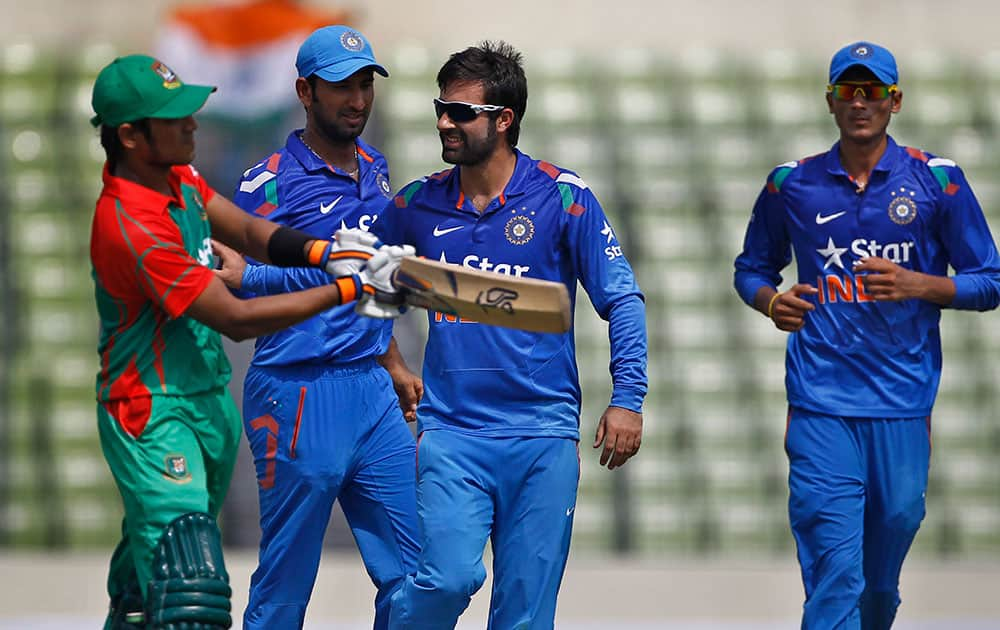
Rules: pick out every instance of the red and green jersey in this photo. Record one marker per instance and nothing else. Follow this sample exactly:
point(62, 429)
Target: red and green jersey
point(151, 258)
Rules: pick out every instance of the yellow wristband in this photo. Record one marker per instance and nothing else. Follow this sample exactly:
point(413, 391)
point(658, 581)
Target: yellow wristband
point(770, 305)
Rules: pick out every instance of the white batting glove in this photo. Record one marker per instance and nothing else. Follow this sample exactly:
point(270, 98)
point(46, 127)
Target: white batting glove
point(349, 251)
point(381, 299)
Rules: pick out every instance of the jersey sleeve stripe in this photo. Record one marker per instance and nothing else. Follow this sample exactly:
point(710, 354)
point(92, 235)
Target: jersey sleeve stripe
point(569, 178)
point(568, 202)
point(917, 153)
point(165, 297)
point(272, 162)
point(271, 191)
point(250, 186)
point(265, 209)
point(403, 198)
point(548, 169)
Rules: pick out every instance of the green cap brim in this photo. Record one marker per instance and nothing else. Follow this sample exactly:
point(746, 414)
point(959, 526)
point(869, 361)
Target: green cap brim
point(190, 99)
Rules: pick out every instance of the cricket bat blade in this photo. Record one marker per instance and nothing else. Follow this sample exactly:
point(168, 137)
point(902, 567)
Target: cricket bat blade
point(484, 296)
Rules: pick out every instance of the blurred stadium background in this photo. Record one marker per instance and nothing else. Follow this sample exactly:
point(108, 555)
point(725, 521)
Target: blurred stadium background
point(674, 115)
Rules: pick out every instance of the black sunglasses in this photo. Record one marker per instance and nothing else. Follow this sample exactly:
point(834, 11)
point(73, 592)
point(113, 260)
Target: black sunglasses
point(462, 112)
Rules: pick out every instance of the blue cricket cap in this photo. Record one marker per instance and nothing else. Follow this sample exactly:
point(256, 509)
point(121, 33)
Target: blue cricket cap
point(872, 56)
point(334, 53)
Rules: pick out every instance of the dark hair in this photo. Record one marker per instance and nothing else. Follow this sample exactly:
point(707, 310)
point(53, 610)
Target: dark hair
point(498, 67)
point(113, 149)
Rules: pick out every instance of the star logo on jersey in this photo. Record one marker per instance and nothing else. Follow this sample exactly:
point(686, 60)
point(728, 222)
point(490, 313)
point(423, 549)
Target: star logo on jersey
point(832, 253)
point(902, 208)
point(608, 232)
point(519, 229)
point(176, 468)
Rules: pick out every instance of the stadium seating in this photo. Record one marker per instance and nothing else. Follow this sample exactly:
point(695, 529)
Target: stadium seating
point(677, 149)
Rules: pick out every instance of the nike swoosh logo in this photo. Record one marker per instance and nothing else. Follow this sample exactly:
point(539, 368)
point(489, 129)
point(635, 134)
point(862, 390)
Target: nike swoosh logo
point(820, 219)
point(570, 510)
point(439, 232)
point(327, 208)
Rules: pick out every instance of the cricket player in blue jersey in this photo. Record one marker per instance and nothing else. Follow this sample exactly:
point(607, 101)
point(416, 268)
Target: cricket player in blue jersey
point(498, 453)
point(874, 227)
point(320, 412)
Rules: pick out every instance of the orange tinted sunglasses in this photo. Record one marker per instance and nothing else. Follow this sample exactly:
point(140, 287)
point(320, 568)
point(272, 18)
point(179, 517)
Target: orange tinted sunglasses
point(868, 91)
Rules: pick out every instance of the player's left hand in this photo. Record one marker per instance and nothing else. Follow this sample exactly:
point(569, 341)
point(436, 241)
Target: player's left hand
point(886, 281)
point(231, 265)
point(620, 431)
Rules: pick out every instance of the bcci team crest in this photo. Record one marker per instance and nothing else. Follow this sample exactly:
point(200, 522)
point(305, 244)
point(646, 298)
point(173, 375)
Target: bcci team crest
point(170, 78)
point(352, 41)
point(519, 230)
point(383, 184)
point(902, 208)
point(176, 468)
point(861, 51)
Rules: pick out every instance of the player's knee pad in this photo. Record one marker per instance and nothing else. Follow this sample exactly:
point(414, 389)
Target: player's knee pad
point(126, 612)
point(190, 586)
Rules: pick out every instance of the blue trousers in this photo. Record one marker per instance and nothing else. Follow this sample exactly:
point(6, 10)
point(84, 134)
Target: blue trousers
point(319, 434)
point(521, 493)
point(856, 499)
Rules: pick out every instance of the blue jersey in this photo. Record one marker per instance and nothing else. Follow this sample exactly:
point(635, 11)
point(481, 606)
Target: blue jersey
point(295, 187)
point(547, 224)
point(856, 357)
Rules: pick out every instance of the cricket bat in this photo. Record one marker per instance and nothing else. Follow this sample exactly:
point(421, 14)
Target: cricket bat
point(483, 296)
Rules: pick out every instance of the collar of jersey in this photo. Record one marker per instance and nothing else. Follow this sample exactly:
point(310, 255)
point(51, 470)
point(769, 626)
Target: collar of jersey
point(135, 195)
point(517, 185)
point(885, 163)
point(312, 162)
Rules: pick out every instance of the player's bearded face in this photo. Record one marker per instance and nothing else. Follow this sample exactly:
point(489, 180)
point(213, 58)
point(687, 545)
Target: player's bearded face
point(340, 110)
point(469, 147)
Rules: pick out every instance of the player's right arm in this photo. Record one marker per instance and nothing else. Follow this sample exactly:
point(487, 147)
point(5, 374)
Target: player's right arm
point(766, 251)
point(240, 319)
point(150, 258)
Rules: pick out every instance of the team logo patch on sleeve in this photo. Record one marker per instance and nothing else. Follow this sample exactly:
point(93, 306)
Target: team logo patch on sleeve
point(520, 229)
point(902, 208)
point(176, 468)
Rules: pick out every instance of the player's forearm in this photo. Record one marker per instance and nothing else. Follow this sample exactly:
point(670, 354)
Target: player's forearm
point(627, 334)
point(260, 239)
point(392, 360)
point(265, 315)
point(936, 289)
point(278, 245)
point(762, 299)
point(270, 280)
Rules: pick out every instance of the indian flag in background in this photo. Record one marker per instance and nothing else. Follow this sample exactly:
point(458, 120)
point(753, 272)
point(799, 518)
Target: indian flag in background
point(246, 48)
